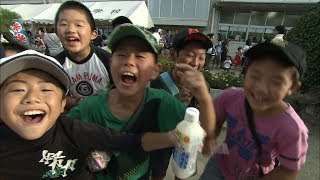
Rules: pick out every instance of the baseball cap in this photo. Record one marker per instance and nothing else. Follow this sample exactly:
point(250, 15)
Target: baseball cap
point(31, 59)
point(126, 30)
point(188, 34)
point(285, 51)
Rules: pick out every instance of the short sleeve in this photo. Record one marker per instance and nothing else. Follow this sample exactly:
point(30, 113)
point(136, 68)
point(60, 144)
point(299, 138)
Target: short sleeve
point(293, 146)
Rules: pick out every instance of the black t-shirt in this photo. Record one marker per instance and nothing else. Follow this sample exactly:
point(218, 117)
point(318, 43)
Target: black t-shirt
point(59, 153)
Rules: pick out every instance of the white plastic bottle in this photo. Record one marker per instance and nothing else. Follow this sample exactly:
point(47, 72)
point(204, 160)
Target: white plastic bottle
point(190, 135)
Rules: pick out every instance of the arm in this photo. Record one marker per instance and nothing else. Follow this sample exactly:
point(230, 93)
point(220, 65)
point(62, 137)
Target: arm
point(194, 80)
point(281, 173)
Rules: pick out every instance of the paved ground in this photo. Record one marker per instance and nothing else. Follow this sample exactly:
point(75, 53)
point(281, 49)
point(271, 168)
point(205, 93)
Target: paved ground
point(310, 171)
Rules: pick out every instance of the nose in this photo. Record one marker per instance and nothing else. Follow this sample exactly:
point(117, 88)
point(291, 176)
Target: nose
point(70, 29)
point(262, 87)
point(32, 97)
point(195, 62)
point(129, 60)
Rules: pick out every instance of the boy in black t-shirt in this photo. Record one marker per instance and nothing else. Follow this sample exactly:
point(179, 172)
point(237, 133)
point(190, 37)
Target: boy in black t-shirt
point(35, 141)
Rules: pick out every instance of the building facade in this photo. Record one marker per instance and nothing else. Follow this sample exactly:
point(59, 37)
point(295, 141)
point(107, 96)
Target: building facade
point(242, 18)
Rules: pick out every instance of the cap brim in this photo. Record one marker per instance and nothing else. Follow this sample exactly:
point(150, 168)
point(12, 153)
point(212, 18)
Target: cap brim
point(32, 60)
point(126, 30)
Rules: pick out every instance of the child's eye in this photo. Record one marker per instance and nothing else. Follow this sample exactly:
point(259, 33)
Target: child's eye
point(46, 90)
point(63, 24)
point(141, 57)
point(17, 90)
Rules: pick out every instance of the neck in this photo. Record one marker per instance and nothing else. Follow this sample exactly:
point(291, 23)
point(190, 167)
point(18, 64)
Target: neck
point(81, 55)
point(129, 103)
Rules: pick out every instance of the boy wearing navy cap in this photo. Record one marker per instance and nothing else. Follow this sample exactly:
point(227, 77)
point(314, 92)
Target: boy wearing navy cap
point(263, 129)
point(189, 47)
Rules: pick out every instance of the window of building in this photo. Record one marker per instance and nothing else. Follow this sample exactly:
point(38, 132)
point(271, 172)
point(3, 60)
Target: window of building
point(274, 18)
point(189, 9)
point(177, 8)
point(241, 18)
point(258, 18)
point(202, 9)
point(154, 8)
point(165, 6)
point(226, 17)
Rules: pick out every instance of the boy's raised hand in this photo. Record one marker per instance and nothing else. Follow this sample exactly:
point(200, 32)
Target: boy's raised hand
point(192, 80)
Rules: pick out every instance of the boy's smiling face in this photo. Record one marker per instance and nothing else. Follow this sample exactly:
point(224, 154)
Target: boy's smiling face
point(74, 32)
point(31, 102)
point(133, 66)
point(193, 54)
point(267, 83)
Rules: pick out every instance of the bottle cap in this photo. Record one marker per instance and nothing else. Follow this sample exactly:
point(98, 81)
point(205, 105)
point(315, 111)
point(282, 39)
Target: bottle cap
point(192, 114)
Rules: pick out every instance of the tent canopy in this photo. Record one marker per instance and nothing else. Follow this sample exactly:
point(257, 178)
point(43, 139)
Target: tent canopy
point(136, 11)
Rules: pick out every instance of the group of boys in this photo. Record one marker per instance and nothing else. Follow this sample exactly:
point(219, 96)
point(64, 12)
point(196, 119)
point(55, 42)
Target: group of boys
point(135, 123)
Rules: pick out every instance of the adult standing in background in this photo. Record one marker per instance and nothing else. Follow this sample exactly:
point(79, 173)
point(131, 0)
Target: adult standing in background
point(279, 32)
point(245, 49)
point(225, 49)
point(52, 41)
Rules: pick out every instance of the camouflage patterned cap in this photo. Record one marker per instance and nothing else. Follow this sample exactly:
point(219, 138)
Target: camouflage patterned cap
point(126, 30)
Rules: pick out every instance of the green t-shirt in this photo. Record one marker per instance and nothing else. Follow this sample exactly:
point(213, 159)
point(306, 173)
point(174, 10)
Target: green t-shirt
point(161, 113)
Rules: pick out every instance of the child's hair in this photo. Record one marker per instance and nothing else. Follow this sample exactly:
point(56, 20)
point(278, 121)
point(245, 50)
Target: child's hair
point(239, 48)
point(287, 55)
point(281, 29)
point(120, 20)
point(229, 57)
point(75, 5)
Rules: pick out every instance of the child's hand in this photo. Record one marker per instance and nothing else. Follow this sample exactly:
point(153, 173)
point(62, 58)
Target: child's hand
point(172, 136)
point(209, 146)
point(193, 80)
point(185, 96)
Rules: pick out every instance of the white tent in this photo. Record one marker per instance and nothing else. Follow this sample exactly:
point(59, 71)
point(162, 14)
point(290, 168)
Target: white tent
point(136, 11)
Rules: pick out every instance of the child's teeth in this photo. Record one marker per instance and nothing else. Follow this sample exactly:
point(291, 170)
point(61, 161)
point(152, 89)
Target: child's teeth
point(33, 112)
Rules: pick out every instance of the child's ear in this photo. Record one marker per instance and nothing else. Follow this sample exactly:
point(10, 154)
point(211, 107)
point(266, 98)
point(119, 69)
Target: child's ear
point(94, 34)
point(156, 71)
point(63, 104)
point(294, 88)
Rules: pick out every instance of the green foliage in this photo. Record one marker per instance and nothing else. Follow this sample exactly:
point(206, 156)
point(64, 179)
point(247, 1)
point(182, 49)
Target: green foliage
point(166, 62)
point(6, 17)
point(217, 81)
point(223, 80)
point(306, 33)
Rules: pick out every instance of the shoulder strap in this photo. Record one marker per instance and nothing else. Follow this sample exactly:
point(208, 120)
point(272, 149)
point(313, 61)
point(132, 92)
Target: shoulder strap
point(136, 113)
point(166, 79)
point(254, 133)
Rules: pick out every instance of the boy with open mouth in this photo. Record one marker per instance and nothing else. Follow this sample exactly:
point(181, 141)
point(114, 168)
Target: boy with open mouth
point(35, 141)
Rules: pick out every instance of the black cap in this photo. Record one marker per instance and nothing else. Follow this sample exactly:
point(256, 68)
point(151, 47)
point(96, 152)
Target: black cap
point(120, 20)
point(287, 52)
point(189, 34)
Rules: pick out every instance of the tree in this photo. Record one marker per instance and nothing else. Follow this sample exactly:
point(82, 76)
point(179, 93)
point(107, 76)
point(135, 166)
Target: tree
point(306, 33)
point(7, 17)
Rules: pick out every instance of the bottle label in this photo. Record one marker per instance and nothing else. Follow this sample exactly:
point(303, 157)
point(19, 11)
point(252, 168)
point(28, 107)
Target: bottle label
point(185, 156)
